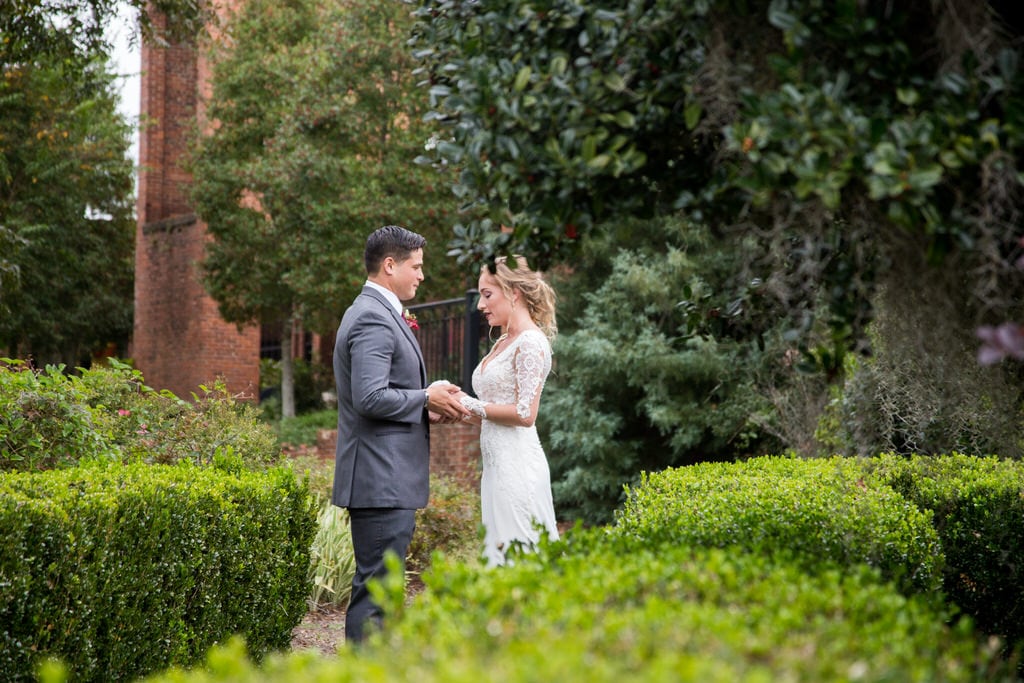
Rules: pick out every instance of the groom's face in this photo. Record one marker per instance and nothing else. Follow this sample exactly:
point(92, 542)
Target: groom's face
point(406, 276)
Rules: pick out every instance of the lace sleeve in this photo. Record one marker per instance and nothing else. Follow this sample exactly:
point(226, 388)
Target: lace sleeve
point(532, 363)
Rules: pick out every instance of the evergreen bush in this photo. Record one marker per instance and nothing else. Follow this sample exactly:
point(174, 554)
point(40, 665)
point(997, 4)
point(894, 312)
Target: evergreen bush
point(597, 609)
point(124, 570)
point(657, 366)
point(978, 509)
point(820, 512)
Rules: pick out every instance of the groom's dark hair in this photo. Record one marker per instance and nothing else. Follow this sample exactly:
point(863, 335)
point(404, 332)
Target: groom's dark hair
point(393, 241)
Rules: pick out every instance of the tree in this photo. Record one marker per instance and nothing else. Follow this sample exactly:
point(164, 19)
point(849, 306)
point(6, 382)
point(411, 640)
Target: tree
point(66, 227)
point(834, 133)
point(657, 365)
point(856, 158)
point(75, 29)
point(315, 122)
point(66, 204)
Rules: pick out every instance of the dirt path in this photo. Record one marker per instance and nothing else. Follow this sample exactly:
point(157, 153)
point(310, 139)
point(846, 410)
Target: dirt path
point(323, 629)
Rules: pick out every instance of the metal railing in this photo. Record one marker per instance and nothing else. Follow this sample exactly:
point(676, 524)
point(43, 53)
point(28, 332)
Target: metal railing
point(453, 337)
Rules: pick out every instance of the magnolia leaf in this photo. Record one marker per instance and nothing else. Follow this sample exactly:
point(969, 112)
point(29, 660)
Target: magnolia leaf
point(522, 78)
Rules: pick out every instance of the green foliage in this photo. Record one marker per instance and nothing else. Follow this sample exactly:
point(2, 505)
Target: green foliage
point(594, 607)
point(317, 129)
point(829, 133)
point(309, 379)
point(45, 421)
point(972, 500)
point(66, 209)
point(923, 392)
point(124, 570)
point(450, 525)
point(667, 362)
point(558, 114)
point(72, 30)
point(332, 560)
point(302, 429)
point(818, 513)
point(51, 419)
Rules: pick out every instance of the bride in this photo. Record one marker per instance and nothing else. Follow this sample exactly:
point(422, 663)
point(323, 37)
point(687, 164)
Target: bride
point(515, 487)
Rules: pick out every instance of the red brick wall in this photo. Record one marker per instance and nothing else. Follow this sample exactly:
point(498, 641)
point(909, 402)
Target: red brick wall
point(179, 339)
point(455, 453)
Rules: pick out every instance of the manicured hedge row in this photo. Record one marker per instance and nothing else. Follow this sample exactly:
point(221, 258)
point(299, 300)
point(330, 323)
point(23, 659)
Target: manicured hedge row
point(819, 513)
point(978, 508)
point(125, 570)
point(598, 609)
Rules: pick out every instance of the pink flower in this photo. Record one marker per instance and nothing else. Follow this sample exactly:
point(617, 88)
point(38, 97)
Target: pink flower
point(1004, 341)
point(123, 412)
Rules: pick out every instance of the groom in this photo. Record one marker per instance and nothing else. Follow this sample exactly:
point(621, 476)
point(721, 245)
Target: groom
point(384, 409)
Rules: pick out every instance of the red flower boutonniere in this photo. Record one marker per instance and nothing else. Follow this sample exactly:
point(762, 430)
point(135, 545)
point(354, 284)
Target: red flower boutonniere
point(410, 320)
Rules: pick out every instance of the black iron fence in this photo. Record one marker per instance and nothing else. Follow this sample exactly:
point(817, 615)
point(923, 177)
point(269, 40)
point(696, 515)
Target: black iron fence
point(453, 337)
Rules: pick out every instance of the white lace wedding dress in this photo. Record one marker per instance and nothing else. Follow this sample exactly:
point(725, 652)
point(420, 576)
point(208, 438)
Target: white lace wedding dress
point(515, 487)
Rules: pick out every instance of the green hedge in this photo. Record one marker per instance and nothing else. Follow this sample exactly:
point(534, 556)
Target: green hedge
point(124, 570)
point(978, 508)
point(601, 610)
point(817, 512)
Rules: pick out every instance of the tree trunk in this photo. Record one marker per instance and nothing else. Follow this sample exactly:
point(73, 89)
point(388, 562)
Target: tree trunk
point(287, 370)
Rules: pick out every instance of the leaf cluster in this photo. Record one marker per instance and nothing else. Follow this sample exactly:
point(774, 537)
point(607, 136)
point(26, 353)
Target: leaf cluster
point(52, 419)
point(660, 613)
point(559, 113)
point(121, 571)
point(73, 30)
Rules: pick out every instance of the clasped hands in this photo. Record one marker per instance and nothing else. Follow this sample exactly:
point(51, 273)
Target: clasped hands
point(443, 404)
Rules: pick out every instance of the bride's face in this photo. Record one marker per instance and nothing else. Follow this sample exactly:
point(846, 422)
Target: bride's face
point(494, 305)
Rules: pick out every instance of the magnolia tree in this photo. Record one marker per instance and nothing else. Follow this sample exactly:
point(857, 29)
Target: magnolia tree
point(833, 134)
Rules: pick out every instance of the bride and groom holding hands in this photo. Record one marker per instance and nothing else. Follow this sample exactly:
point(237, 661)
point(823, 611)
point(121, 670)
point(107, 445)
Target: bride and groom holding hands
point(385, 407)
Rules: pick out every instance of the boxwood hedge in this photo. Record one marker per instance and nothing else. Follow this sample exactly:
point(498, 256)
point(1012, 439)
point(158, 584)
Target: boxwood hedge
point(821, 512)
point(124, 570)
point(597, 608)
point(978, 508)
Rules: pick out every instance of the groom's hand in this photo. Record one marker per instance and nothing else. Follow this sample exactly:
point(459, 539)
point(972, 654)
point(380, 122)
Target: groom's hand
point(443, 399)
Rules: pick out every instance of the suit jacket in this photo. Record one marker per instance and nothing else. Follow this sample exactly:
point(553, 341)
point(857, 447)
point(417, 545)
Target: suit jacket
point(382, 458)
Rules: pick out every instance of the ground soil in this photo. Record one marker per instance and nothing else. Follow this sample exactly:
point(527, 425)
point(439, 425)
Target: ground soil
point(323, 628)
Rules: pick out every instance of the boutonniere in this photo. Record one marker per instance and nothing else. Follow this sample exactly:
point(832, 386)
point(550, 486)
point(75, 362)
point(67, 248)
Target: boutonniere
point(410, 320)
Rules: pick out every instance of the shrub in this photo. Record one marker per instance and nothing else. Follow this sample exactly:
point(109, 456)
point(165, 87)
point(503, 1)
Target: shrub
point(302, 429)
point(124, 570)
point(598, 609)
point(332, 560)
point(978, 508)
point(450, 524)
point(818, 512)
point(665, 359)
point(45, 420)
point(51, 419)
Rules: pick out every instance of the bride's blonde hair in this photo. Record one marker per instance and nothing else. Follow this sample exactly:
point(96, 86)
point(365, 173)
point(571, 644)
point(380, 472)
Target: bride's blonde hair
point(534, 289)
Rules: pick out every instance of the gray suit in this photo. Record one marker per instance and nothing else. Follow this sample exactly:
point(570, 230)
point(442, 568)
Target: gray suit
point(381, 471)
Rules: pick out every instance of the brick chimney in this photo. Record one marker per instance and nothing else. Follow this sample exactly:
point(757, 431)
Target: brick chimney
point(180, 340)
